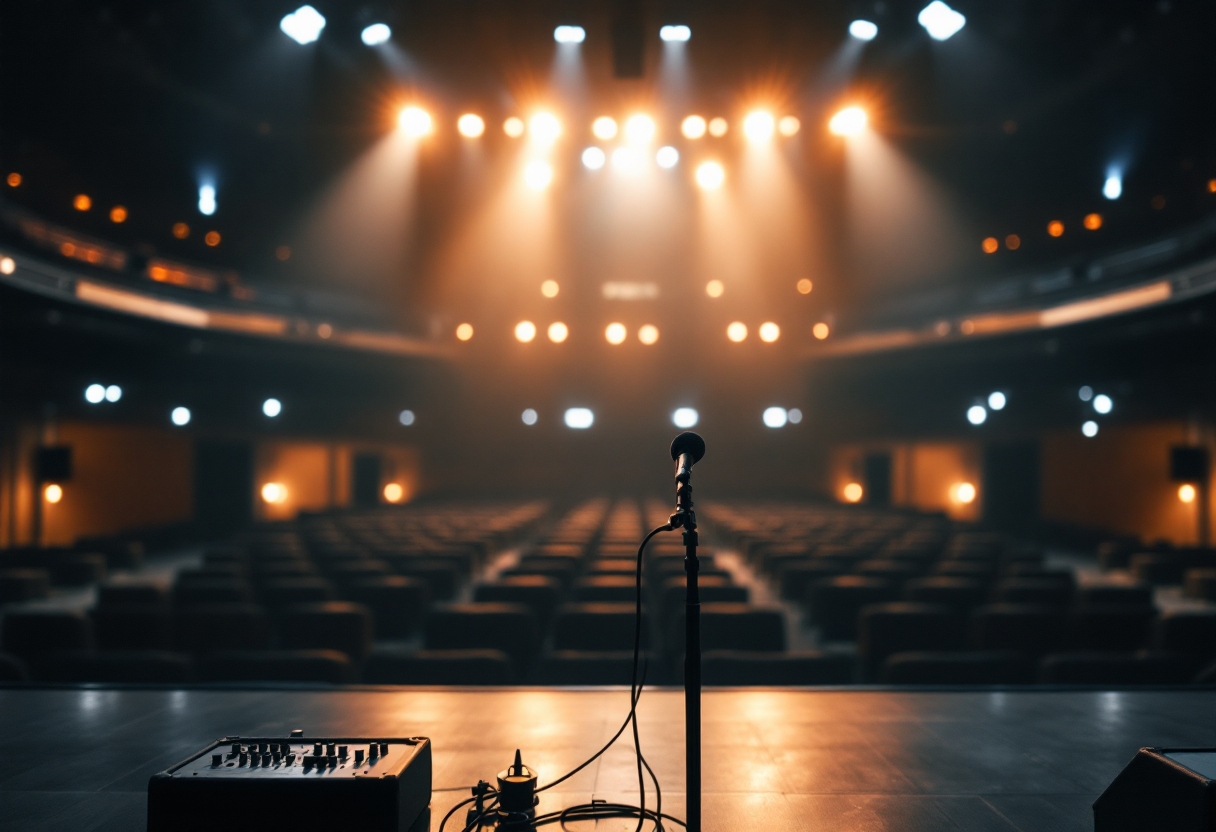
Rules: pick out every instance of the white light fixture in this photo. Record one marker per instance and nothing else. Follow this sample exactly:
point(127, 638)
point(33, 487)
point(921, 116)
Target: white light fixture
point(759, 126)
point(569, 34)
point(639, 128)
point(529, 417)
point(863, 29)
point(304, 25)
point(1103, 403)
point(667, 157)
point(593, 158)
point(376, 34)
point(1090, 428)
point(624, 160)
point(775, 417)
point(206, 199)
point(113, 393)
point(180, 416)
point(1085, 393)
point(95, 393)
point(579, 418)
point(940, 21)
point(272, 407)
point(538, 175)
point(795, 415)
point(685, 417)
point(1112, 188)
point(976, 414)
point(997, 400)
point(406, 417)
point(675, 34)
point(710, 176)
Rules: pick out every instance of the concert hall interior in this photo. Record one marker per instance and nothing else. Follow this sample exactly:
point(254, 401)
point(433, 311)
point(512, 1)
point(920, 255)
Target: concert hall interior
point(343, 347)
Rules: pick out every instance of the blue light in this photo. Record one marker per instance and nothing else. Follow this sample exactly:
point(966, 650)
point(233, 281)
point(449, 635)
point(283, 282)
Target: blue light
point(863, 30)
point(940, 21)
point(206, 199)
point(304, 25)
point(376, 34)
point(1112, 188)
point(675, 34)
point(569, 34)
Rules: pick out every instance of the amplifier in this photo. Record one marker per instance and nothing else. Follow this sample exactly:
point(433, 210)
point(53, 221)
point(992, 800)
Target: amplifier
point(1161, 790)
point(379, 784)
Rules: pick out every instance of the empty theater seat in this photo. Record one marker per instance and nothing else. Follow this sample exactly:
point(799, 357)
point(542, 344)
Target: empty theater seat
point(1200, 583)
point(133, 627)
point(438, 667)
point(285, 591)
point(605, 588)
point(961, 595)
point(328, 625)
point(130, 666)
point(728, 626)
point(575, 667)
point(836, 602)
point(1188, 632)
point(23, 585)
point(795, 578)
point(884, 629)
point(131, 595)
point(597, 627)
point(325, 666)
point(1025, 628)
point(441, 577)
point(1046, 592)
point(1111, 627)
point(510, 628)
point(539, 593)
point(193, 591)
point(957, 668)
point(77, 569)
point(221, 627)
point(398, 604)
point(749, 668)
point(1124, 595)
point(712, 590)
point(1114, 669)
point(35, 636)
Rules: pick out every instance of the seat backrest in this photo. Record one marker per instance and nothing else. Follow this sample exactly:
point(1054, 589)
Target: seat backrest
point(511, 628)
point(328, 625)
point(36, 633)
point(597, 626)
point(214, 627)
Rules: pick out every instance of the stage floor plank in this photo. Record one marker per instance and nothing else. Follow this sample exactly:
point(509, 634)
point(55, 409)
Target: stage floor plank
point(866, 760)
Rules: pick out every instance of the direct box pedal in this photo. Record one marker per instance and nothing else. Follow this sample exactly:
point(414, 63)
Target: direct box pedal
point(378, 784)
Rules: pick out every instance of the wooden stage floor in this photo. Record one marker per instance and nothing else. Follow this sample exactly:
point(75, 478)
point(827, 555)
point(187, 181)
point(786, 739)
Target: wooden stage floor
point(840, 760)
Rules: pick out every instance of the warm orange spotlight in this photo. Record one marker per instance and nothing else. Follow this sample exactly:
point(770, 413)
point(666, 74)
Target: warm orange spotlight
point(737, 332)
point(118, 214)
point(1093, 221)
point(212, 238)
point(718, 127)
point(758, 126)
point(538, 175)
point(274, 492)
point(513, 127)
point(715, 288)
point(648, 334)
point(769, 332)
point(990, 245)
point(558, 332)
point(7, 265)
point(1211, 183)
point(545, 128)
point(550, 288)
point(963, 492)
point(282, 253)
point(853, 492)
point(1013, 242)
point(693, 127)
point(14, 180)
point(805, 286)
point(464, 332)
point(325, 330)
point(604, 128)
point(414, 121)
point(525, 331)
point(710, 175)
point(639, 129)
point(1186, 493)
point(821, 331)
point(615, 333)
point(180, 230)
point(393, 492)
point(849, 122)
point(789, 126)
point(1055, 228)
point(53, 493)
point(82, 202)
point(471, 125)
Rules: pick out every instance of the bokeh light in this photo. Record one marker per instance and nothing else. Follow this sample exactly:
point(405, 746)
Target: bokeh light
point(550, 288)
point(693, 127)
point(471, 125)
point(804, 286)
point(710, 175)
point(393, 492)
point(525, 331)
point(604, 128)
point(715, 288)
point(464, 331)
point(648, 334)
point(558, 332)
point(414, 121)
point(849, 122)
point(737, 332)
point(769, 332)
point(615, 333)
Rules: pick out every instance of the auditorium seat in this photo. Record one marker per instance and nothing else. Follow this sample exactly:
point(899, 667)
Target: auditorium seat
point(732, 626)
point(345, 572)
point(131, 595)
point(884, 629)
point(264, 571)
point(605, 589)
point(133, 627)
point(1200, 583)
point(1036, 571)
point(750, 668)
point(795, 578)
point(441, 577)
point(961, 595)
point(1110, 627)
point(12, 669)
point(712, 590)
point(1188, 632)
point(325, 666)
point(438, 667)
point(896, 572)
point(129, 666)
point(510, 628)
point(192, 591)
point(211, 628)
point(24, 585)
point(613, 566)
point(36, 635)
point(835, 603)
point(327, 625)
point(1158, 568)
point(1026, 628)
point(597, 627)
point(398, 604)
point(279, 592)
point(579, 667)
point(1040, 591)
point(1104, 668)
point(539, 593)
point(1127, 595)
point(1117, 554)
point(957, 668)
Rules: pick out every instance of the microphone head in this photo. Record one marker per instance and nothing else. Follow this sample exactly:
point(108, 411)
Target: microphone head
point(688, 443)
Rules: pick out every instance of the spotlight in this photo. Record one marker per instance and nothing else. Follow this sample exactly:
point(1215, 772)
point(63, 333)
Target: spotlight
point(715, 288)
point(53, 493)
point(737, 332)
point(648, 334)
point(464, 332)
point(274, 492)
point(529, 417)
point(964, 492)
point(1102, 403)
point(593, 158)
point(212, 238)
point(1085, 393)
point(848, 122)
point(758, 126)
point(604, 128)
point(114, 393)
point(1092, 222)
point(180, 416)
point(14, 180)
point(976, 414)
point(853, 492)
point(1055, 228)
point(1112, 188)
point(710, 175)
point(789, 126)
point(667, 157)
point(718, 127)
point(769, 332)
point(863, 30)
point(639, 129)
point(693, 127)
point(471, 125)
point(685, 417)
point(1090, 429)
point(272, 407)
point(615, 333)
point(545, 128)
point(538, 175)
point(550, 288)
point(118, 214)
point(624, 160)
point(579, 418)
point(376, 34)
point(804, 286)
point(795, 415)
point(675, 34)
point(82, 202)
point(95, 393)
point(525, 331)
point(775, 417)
point(940, 21)
point(996, 401)
point(513, 127)
point(206, 199)
point(406, 417)
point(558, 332)
point(7, 265)
point(821, 331)
point(393, 492)
point(304, 25)
point(1186, 493)
point(414, 121)
point(990, 245)
point(569, 34)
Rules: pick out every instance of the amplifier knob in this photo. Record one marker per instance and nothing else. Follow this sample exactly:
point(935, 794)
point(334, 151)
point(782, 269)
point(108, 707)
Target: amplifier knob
point(341, 750)
point(358, 756)
point(217, 759)
point(383, 748)
point(316, 749)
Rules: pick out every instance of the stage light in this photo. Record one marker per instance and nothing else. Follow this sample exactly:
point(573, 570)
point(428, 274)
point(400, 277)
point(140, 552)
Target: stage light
point(393, 492)
point(513, 127)
point(593, 158)
point(990, 245)
point(604, 128)
point(558, 332)
point(525, 331)
point(1013, 242)
point(624, 160)
point(804, 286)
point(667, 157)
point(693, 127)
point(464, 332)
point(545, 128)
point(538, 175)
point(304, 25)
point(710, 175)
point(529, 417)
point(848, 122)
point(853, 492)
point(718, 127)
point(118, 214)
point(715, 288)
point(206, 199)
point(964, 492)
point(863, 30)
point(821, 331)
point(758, 126)
point(407, 417)
point(737, 332)
point(95, 393)
point(180, 416)
point(272, 407)
point(685, 417)
point(324, 330)
point(1085, 393)
point(976, 414)
point(274, 492)
point(579, 418)
point(414, 121)
point(675, 34)
point(775, 417)
point(471, 125)
point(795, 415)
point(14, 180)
point(1112, 188)
point(1103, 403)
point(82, 202)
point(550, 288)
point(648, 334)
point(1186, 493)
point(569, 34)
point(940, 21)
point(1090, 428)
point(615, 333)
point(180, 230)
point(769, 332)
point(53, 493)
point(997, 401)
point(639, 129)
point(212, 238)
point(376, 34)
point(789, 126)
point(1055, 228)
point(1093, 221)
point(7, 265)
point(114, 393)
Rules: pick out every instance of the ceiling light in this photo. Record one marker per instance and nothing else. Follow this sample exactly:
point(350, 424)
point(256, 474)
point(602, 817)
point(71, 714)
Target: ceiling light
point(272, 407)
point(667, 157)
point(976, 414)
point(863, 29)
point(376, 34)
point(639, 129)
point(710, 175)
point(414, 121)
point(180, 416)
point(593, 158)
point(693, 127)
point(304, 25)
point(675, 34)
point(758, 126)
point(545, 128)
point(604, 128)
point(775, 417)
point(579, 418)
point(471, 125)
point(848, 122)
point(685, 417)
point(569, 34)
point(940, 21)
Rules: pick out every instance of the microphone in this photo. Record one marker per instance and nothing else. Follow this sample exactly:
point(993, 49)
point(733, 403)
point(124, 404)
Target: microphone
point(687, 450)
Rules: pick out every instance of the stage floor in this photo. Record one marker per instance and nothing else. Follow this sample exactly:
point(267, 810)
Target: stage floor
point(774, 759)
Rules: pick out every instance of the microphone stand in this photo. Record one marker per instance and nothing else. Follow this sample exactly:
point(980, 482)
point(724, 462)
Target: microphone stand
point(686, 519)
